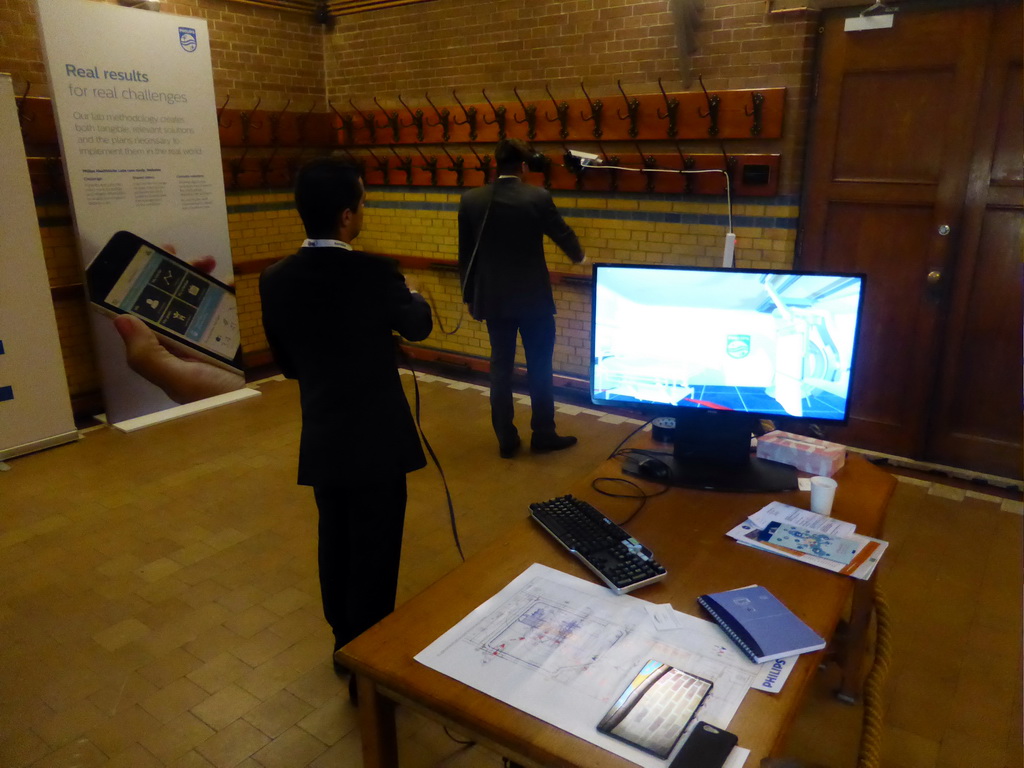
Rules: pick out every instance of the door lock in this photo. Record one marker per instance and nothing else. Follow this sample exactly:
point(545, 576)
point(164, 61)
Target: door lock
point(944, 229)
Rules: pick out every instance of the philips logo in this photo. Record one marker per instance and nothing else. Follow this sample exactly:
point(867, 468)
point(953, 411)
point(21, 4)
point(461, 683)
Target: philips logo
point(774, 672)
point(187, 39)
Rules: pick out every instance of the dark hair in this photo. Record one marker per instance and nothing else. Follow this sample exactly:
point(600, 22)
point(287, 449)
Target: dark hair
point(324, 188)
point(510, 154)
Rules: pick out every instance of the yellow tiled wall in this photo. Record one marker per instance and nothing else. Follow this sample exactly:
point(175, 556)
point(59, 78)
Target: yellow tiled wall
point(424, 224)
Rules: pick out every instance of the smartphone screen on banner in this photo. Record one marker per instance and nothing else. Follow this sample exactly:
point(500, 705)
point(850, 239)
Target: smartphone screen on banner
point(174, 298)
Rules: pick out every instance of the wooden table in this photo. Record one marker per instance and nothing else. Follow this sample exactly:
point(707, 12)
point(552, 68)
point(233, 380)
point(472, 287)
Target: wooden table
point(686, 530)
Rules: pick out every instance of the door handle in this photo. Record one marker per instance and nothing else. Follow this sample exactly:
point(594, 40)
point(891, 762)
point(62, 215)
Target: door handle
point(934, 277)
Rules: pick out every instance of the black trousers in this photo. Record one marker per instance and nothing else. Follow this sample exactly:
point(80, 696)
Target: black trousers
point(358, 551)
point(538, 336)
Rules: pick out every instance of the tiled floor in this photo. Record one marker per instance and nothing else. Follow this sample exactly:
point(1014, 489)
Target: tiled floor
point(160, 604)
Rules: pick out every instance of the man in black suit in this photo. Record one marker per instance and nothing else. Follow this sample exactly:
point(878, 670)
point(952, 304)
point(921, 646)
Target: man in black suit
point(506, 283)
point(329, 312)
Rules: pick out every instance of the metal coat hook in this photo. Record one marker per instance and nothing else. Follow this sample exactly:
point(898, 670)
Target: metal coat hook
point(236, 168)
point(688, 164)
point(483, 164)
point(369, 122)
point(404, 165)
point(730, 163)
point(596, 108)
point(275, 124)
point(358, 162)
point(458, 165)
point(562, 115)
point(430, 165)
point(443, 116)
point(348, 124)
point(220, 111)
point(247, 122)
point(757, 98)
point(391, 118)
point(713, 104)
point(293, 163)
point(632, 111)
point(265, 163)
point(417, 119)
point(547, 174)
point(499, 117)
point(576, 169)
point(613, 173)
point(22, 117)
point(529, 116)
point(302, 120)
point(384, 166)
point(470, 120)
point(649, 162)
point(671, 110)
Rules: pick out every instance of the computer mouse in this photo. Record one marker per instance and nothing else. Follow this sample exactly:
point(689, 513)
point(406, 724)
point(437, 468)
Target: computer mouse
point(653, 469)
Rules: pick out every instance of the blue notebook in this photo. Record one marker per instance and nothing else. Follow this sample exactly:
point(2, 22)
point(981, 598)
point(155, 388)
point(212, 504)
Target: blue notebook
point(760, 624)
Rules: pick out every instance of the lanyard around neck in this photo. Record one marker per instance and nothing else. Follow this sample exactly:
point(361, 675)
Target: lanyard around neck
point(325, 243)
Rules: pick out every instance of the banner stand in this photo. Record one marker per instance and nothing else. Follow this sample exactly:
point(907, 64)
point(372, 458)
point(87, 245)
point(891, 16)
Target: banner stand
point(141, 422)
point(134, 104)
point(35, 407)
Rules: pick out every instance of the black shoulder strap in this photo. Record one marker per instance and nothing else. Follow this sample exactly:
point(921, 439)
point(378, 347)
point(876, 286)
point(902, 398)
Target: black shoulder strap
point(476, 246)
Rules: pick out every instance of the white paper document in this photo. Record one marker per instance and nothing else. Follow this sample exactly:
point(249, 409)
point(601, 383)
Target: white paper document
point(813, 539)
point(562, 649)
point(784, 513)
point(769, 676)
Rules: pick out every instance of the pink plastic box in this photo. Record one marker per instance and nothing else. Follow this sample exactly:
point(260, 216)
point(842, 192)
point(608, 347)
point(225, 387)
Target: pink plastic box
point(807, 454)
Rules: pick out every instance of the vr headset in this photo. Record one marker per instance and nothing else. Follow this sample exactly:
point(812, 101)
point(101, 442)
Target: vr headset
point(537, 162)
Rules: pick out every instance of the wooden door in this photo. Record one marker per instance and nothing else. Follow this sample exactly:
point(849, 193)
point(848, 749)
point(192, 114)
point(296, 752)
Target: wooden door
point(977, 415)
point(891, 148)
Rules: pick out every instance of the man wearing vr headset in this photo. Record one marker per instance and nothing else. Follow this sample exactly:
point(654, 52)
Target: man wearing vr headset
point(506, 284)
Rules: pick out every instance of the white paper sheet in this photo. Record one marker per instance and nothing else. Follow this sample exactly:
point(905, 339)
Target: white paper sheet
point(563, 649)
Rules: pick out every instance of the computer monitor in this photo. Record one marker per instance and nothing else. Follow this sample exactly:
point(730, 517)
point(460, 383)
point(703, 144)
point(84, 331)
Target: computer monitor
point(720, 349)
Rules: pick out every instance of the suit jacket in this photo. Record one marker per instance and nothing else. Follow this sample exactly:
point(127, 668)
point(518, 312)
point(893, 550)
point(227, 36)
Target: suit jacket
point(329, 315)
point(508, 277)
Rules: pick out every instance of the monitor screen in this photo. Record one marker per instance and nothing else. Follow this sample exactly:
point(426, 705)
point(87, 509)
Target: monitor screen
point(772, 344)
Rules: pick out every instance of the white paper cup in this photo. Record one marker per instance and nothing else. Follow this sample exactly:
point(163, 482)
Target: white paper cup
point(823, 491)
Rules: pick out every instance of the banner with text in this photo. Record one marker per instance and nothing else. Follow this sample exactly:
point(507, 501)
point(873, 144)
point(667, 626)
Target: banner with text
point(35, 410)
point(137, 118)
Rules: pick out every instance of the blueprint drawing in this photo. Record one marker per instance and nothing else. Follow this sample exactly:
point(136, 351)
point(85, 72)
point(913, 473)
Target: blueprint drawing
point(563, 649)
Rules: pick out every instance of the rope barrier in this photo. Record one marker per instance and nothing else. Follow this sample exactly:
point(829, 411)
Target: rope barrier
point(874, 688)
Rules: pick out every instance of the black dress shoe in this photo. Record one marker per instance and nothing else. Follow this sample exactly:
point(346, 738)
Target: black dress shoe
point(546, 443)
point(508, 449)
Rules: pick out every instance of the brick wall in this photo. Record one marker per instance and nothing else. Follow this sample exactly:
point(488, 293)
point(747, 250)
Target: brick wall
point(470, 45)
point(256, 52)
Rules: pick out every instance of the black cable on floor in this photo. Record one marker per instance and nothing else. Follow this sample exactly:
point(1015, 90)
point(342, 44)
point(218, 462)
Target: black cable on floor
point(433, 456)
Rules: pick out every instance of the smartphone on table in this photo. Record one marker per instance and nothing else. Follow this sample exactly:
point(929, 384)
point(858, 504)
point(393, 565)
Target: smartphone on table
point(194, 312)
point(656, 708)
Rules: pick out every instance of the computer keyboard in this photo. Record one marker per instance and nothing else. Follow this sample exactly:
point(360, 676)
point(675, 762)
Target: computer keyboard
point(619, 560)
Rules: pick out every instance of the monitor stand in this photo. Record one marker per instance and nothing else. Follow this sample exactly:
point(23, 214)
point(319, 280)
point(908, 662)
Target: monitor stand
point(712, 451)
point(756, 475)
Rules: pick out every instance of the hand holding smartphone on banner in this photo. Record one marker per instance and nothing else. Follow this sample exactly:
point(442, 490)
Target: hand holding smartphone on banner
point(179, 324)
